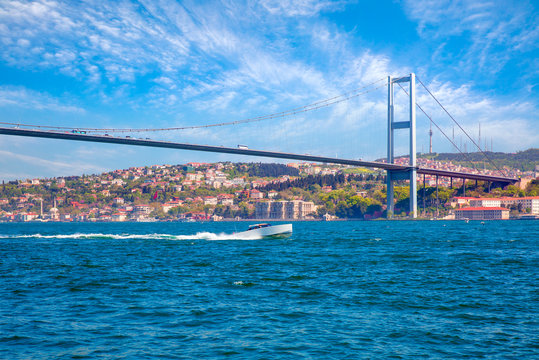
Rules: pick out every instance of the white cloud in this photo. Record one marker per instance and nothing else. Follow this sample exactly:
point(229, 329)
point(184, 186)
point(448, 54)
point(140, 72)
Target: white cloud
point(39, 167)
point(293, 8)
point(21, 97)
point(508, 124)
point(490, 33)
point(188, 63)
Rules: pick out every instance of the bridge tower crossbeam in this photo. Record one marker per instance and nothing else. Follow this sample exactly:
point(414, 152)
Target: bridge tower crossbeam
point(410, 174)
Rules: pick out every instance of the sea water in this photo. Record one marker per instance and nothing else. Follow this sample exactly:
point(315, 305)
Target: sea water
point(333, 290)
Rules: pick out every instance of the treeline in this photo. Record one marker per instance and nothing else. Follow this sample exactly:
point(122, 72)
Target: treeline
point(522, 160)
point(268, 170)
point(321, 180)
point(271, 170)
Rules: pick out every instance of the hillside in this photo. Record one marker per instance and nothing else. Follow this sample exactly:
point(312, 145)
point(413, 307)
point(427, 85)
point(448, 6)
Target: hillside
point(522, 160)
point(227, 190)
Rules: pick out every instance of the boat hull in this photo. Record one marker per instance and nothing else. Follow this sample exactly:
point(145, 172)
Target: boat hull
point(274, 231)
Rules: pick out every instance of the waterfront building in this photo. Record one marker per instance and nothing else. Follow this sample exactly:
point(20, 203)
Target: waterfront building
point(119, 216)
point(277, 210)
point(262, 210)
point(54, 214)
point(482, 213)
point(26, 216)
point(292, 209)
point(281, 210)
point(528, 202)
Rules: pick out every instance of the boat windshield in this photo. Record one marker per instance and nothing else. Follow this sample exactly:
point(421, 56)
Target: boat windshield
point(258, 226)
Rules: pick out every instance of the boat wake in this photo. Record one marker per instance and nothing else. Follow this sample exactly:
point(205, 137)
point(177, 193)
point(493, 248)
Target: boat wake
point(79, 236)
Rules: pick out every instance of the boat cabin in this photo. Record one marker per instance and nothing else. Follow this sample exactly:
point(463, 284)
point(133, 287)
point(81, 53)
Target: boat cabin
point(258, 226)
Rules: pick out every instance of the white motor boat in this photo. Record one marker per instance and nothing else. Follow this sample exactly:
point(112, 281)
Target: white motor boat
point(263, 231)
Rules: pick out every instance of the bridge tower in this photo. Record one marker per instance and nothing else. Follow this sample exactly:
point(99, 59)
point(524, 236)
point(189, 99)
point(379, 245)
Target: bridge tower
point(411, 174)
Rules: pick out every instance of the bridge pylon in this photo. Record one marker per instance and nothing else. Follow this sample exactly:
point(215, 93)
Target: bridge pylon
point(411, 174)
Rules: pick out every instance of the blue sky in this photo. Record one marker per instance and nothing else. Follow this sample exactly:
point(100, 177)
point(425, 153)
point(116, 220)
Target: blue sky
point(163, 63)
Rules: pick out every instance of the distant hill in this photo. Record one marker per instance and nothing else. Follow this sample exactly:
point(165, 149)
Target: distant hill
point(269, 170)
point(522, 160)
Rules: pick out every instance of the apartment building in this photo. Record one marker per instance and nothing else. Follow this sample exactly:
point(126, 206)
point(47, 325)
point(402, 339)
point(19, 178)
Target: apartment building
point(281, 210)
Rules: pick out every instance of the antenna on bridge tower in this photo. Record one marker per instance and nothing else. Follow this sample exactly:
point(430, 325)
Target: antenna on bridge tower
point(391, 127)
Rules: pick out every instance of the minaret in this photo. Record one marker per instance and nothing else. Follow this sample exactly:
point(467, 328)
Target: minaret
point(430, 139)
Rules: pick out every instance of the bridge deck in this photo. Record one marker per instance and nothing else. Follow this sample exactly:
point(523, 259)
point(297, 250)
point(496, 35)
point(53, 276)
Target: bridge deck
point(248, 152)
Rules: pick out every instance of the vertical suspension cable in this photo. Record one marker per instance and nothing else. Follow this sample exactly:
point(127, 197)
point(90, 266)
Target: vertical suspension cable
point(443, 133)
point(456, 122)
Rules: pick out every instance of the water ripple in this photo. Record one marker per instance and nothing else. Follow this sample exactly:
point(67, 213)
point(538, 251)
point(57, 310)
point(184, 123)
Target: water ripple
point(379, 289)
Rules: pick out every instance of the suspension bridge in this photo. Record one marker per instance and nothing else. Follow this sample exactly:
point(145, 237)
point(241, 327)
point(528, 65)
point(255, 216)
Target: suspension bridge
point(395, 172)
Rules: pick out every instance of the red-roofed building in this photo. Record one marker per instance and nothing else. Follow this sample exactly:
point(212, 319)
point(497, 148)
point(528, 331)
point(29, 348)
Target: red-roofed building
point(171, 205)
point(226, 199)
point(119, 216)
point(255, 194)
point(78, 205)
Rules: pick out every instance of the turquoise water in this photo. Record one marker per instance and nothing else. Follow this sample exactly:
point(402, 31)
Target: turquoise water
point(341, 290)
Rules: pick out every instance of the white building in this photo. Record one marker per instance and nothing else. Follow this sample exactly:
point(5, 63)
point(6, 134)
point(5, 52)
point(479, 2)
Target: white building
point(143, 209)
point(485, 202)
point(529, 202)
point(170, 205)
point(119, 216)
point(210, 200)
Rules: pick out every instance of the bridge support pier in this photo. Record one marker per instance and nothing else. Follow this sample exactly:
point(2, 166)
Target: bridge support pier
point(437, 200)
point(424, 194)
point(390, 193)
point(391, 127)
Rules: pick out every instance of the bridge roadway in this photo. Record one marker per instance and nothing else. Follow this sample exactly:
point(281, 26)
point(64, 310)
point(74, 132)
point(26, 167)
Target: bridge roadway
point(248, 152)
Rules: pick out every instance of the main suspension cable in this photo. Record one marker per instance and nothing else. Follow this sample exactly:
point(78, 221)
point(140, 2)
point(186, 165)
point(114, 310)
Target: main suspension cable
point(435, 124)
point(464, 131)
point(313, 106)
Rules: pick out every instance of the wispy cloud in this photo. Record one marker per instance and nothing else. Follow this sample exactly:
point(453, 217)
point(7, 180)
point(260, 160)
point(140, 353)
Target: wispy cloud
point(490, 33)
point(507, 124)
point(32, 166)
point(301, 7)
point(20, 97)
point(175, 63)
